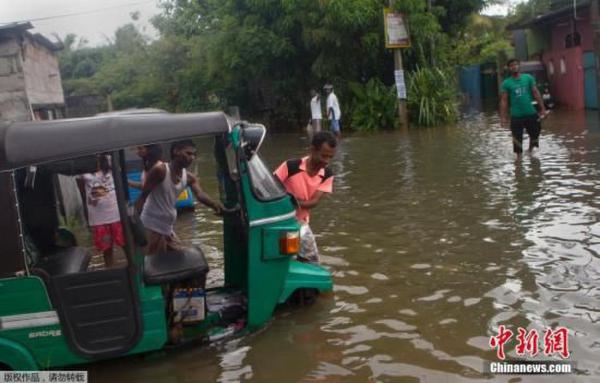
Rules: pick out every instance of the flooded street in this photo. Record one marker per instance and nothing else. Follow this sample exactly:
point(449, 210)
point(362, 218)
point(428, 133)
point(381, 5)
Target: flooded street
point(434, 239)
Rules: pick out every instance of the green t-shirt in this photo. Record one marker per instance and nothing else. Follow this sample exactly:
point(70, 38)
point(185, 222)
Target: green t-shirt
point(520, 94)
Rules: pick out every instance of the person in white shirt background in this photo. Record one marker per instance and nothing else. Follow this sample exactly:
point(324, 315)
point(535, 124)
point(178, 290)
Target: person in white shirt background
point(316, 113)
point(333, 110)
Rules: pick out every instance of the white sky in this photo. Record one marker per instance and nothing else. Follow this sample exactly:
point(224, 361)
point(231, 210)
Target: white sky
point(496, 10)
point(101, 18)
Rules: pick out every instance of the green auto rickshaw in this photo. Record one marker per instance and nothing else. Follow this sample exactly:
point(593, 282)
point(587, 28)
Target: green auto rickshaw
point(57, 309)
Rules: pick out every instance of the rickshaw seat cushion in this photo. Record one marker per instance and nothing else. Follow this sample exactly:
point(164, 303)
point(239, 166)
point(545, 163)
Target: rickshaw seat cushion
point(175, 266)
point(65, 261)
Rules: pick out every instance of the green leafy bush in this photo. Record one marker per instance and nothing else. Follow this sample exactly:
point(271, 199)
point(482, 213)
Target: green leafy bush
point(432, 97)
point(374, 106)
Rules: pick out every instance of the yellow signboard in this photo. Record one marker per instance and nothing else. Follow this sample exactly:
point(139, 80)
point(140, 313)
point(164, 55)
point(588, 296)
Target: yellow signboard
point(396, 29)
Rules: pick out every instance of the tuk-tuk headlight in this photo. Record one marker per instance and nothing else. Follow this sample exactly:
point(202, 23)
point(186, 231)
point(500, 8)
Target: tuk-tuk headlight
point(289, 242)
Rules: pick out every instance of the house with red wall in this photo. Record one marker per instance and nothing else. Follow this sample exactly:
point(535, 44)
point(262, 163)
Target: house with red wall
point(562, 39)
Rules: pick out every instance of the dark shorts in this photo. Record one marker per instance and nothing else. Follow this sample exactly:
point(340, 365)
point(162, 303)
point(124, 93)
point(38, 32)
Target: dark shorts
point(531, 125)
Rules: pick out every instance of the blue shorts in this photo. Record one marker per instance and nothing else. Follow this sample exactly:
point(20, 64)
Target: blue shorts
point(335, 126)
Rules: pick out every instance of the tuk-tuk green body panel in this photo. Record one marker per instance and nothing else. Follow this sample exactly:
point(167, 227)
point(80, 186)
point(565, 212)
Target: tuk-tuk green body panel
point(154, 323)
point(42, 345)
point(22, 296)
point(16, 357)
point(305, 275)
point(46, 345)
point(35, 347)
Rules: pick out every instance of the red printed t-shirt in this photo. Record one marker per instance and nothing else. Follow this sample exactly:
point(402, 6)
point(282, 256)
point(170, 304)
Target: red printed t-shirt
point(302, 186)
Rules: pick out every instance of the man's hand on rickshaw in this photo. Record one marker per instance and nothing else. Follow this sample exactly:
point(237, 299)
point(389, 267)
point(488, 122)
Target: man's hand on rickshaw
point(231, 210)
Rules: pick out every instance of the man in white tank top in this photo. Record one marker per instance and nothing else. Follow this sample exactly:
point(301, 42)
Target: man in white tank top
point(163, 184)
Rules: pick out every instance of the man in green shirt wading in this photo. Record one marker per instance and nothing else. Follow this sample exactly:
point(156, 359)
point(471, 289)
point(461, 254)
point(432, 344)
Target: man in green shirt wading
point(520, 89)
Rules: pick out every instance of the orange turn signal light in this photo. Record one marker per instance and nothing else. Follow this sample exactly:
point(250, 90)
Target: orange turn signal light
point(289, 242)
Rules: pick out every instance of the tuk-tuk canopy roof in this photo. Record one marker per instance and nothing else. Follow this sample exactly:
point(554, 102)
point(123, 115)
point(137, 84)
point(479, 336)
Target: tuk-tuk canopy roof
point(36, 142)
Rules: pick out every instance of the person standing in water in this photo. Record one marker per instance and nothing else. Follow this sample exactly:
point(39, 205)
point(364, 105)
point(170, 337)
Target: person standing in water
point(519, 91)
point(163, 184)
point(308, 179)
point(316, 113)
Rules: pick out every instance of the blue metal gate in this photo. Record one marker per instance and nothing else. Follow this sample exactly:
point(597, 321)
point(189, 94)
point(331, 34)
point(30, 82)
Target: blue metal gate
point(590, 84)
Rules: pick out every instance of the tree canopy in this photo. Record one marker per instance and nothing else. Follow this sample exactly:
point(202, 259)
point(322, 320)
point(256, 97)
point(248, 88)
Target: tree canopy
point(261, 55)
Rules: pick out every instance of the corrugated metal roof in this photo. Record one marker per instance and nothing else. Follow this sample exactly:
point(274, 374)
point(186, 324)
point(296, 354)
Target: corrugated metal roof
point(547, 17)
point(23, 27)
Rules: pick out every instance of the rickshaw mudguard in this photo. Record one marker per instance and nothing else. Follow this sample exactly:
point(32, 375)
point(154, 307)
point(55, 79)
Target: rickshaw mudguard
point(16, 357)
point(305, 276)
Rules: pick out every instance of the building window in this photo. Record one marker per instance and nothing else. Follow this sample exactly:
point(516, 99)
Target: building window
point(563, 66)
point(551, 68)
point(572, 40)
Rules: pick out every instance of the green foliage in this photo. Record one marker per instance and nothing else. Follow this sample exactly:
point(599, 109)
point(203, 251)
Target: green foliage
point(432, 96)
point(374, 107)
point(532, 8)
point(265, 55)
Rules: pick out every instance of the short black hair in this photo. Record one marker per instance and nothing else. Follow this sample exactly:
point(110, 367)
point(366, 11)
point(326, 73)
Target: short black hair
point(154, 154)
point(323, 137)
point(512, 61)
point(180, 145)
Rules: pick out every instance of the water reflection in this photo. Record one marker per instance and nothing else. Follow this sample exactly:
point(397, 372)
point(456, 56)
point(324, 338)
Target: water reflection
point(434, 239)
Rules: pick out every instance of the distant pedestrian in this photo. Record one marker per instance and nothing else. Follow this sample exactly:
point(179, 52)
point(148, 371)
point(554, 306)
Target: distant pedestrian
point(333, 110)
point(316, 113)
point(520, 90)
point(151, 155)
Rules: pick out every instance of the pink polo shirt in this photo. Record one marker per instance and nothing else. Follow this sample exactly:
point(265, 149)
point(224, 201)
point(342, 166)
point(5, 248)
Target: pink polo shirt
point(302, 186)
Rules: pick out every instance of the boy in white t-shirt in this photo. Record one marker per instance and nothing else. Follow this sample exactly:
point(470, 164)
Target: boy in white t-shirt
point(102, 209)
point(316, 113)
point(333, 110)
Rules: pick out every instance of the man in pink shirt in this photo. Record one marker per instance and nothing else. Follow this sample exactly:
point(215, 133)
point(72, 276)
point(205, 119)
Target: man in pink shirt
point(308, 179)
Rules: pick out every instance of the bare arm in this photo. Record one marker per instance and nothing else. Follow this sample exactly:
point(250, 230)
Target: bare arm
point(538, 98)
point(155, 176)
point(201, 194)
point(314, 201)
point(134, 184)
point(504, 107)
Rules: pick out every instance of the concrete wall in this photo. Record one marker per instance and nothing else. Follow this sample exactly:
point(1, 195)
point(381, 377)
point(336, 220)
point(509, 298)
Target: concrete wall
point(42, 75)
point(14, 105)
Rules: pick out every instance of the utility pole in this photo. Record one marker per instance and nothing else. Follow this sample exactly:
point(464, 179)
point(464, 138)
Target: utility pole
point(398, 68)
point(595, 21)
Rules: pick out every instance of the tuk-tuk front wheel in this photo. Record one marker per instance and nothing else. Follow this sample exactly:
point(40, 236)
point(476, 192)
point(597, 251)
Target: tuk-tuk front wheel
point(303, 297)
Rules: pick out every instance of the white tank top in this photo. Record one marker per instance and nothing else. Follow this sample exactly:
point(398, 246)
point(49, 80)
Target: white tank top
point(159, 213)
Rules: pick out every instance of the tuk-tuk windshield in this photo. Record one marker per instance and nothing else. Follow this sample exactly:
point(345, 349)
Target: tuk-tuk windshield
point(266, 186)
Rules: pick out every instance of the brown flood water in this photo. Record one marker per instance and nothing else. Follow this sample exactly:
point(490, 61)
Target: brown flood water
point(434, 239)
